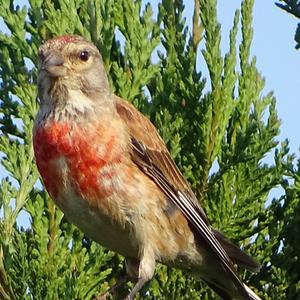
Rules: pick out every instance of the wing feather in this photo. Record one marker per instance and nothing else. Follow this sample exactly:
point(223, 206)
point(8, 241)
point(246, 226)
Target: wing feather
point(152, 157)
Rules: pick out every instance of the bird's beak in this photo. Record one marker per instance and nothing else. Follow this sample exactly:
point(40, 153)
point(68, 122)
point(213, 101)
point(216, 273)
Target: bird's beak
point(53, 64)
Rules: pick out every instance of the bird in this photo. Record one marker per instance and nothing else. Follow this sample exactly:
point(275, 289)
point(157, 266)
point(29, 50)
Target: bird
point(106, 167)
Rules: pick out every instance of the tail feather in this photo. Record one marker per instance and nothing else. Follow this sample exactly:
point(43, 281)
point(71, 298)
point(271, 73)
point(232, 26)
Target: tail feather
point(252, 295)
point(237, 255)
point(218, 290)
point(225, 294)
point(229, 287)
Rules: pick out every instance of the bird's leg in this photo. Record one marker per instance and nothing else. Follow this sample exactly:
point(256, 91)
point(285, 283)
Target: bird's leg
point(122, 280)
point(113, 290)
point(142, 269)
point(140, 283)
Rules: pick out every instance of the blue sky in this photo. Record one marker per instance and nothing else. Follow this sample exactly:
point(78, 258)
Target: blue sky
point(277, 59)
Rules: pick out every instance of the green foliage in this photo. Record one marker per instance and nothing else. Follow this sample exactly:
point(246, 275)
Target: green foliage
point(282, 276)
point(221, 139)
point(292, 7)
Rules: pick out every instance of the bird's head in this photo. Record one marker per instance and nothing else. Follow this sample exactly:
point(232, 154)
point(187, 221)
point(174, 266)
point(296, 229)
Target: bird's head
point(67, 63)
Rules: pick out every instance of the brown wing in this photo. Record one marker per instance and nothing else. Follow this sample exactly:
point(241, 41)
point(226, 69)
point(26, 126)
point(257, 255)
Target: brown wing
point(145, 139)
point(152, 157)
point(143, 131)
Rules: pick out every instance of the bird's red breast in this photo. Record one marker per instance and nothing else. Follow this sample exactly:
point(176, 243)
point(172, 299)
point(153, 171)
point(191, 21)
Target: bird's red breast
point(58, 144)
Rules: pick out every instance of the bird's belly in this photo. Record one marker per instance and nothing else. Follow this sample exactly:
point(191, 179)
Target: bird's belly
point(115, 236)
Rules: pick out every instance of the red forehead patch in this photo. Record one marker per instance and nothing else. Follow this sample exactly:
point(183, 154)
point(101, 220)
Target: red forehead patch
point(66, 38)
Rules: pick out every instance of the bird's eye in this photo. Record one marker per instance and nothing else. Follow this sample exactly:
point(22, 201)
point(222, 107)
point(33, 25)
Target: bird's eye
point(84, 55)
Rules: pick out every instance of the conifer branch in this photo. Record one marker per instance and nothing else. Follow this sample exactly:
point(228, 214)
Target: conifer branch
point(197, 28)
